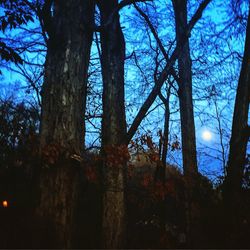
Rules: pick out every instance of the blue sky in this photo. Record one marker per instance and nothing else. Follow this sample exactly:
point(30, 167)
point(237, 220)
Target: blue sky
point(138, 84)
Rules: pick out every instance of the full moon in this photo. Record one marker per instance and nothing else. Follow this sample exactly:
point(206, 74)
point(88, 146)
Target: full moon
point(207, 135)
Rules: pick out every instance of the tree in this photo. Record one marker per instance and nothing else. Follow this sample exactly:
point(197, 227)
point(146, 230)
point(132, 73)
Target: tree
point(165, 136)
point(184, 80)
point(157, 63)
point(114, 147)
point(63, 98)
point(185, 91)
point(164, 73)
point(240, 127)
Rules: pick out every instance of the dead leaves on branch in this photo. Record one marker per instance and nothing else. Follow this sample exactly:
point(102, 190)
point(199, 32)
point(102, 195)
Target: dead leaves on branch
point(116, 155)
point(53, 152)
point(145, 146)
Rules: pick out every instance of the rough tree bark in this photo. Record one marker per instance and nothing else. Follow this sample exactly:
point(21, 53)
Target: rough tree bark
point(185, 91)
point(114, 146)
point(63, 108)
point(240, 128)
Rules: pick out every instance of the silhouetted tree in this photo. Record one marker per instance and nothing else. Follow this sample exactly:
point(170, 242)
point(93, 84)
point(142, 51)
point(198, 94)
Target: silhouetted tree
point(113, 127)
point(68, 25)
point(185, 91)
point(240, 127)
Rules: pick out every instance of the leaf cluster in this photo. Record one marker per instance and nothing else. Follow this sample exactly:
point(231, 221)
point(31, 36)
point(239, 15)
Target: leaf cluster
point(15, 14)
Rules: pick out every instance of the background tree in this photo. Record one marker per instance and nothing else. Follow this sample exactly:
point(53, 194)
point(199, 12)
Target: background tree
point(185, 91)
point(240, 127)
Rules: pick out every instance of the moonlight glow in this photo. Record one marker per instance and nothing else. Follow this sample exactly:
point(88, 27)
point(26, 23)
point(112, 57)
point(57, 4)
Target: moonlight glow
point(207, 135)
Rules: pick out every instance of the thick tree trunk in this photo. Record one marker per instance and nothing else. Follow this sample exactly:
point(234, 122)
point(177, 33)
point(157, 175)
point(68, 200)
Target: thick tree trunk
point(114, 146)
point(240, 128)
point(185, 91)
point(63, 107)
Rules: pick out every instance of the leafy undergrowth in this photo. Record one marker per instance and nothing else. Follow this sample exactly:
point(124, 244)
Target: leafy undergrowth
point(157, 212)
point(179, 213)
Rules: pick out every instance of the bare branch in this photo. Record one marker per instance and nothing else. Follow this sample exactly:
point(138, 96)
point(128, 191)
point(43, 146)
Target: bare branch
point(121, 5)
point(166, 71)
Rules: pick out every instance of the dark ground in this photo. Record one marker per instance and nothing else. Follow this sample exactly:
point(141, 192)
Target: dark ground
point(152, 222)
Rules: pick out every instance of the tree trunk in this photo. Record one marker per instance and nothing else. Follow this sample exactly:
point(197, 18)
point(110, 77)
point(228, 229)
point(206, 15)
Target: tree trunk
point(114, 146)
point(166, 129)
point(160, 173)
point(186, 113)
point(185, 91)
point(240, 128)
point(63, 108)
